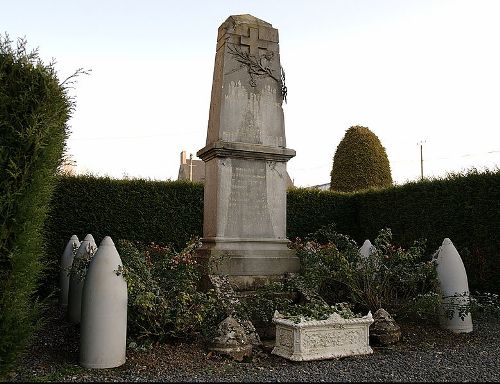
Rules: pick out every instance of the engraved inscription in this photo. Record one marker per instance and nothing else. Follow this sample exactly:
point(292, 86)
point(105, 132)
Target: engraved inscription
point(249, 131)
point(248, 213)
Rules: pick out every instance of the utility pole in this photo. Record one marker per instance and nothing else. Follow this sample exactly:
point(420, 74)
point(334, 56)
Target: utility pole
point(190, 167)
point(421, 160)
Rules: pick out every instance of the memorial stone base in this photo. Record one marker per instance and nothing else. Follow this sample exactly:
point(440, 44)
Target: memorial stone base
point(248, 264)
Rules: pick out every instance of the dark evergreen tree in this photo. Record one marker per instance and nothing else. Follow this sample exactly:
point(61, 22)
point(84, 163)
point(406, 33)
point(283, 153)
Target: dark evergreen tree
point(34, 110)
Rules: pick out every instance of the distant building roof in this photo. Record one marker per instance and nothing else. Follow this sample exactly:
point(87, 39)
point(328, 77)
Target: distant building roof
point(191, 169)
point(323, 187)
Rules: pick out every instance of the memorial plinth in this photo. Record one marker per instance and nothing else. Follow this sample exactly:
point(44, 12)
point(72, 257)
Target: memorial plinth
point(244, 228)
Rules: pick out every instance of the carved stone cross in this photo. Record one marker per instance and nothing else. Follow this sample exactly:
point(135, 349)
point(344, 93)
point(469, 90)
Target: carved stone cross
point(253, 42)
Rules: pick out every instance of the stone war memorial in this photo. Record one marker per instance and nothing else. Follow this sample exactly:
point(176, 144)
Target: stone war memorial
point(244, 227)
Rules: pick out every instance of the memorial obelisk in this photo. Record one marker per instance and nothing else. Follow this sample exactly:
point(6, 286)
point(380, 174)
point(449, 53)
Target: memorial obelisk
point(244, 225)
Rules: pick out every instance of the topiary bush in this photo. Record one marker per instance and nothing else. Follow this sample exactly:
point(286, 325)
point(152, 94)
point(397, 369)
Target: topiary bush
point(34, 110)
point(360, 162)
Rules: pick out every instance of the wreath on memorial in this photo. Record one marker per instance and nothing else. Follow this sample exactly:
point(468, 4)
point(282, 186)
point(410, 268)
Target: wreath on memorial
point(258, 67)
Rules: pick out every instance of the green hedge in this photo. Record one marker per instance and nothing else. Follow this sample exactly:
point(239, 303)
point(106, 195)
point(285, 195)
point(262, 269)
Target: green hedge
point(164, 212)
point(464, 208)
point(310, 209)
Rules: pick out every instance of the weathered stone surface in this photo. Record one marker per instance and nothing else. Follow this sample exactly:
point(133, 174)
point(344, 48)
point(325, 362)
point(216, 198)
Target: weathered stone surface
point(454, 290)
point(384, 330)
point(229, 302)
point(232, 340)
point(244, 228)
point(246, 90)
point(322, 339)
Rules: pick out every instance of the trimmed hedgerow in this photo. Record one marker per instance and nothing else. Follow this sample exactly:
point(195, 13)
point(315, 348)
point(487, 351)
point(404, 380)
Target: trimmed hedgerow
point(463, 207)
point(310, 209)
point(34, 109)
point(164, 212)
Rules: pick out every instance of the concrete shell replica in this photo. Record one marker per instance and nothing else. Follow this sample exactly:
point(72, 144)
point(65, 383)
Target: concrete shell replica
point(103, 330)
point(454, 289)
point(66, 263)
point(76, 284)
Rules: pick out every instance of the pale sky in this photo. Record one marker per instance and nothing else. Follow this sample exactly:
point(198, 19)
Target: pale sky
point(410, 70)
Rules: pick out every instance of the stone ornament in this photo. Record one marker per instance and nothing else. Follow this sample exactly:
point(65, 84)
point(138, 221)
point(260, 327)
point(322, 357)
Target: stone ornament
point(384, 330)
point(322, 339)
point(454, 313)
point(66, 263)
point(232, 340)
point(76, 282)
point(366, 249)
point(103, 329)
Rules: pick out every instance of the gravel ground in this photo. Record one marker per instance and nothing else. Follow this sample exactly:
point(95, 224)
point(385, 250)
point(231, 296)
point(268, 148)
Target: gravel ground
point(425, 353)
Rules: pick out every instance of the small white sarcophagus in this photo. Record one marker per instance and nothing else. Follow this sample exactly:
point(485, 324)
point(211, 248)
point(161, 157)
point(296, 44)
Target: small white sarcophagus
point(322, 339)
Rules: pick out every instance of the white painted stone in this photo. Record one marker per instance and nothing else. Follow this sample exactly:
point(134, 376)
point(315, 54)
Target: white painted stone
point(454, 288)
point(366, 249)
point(103, 329)
point(322, 339)
point(76, 284)
point(66, 262)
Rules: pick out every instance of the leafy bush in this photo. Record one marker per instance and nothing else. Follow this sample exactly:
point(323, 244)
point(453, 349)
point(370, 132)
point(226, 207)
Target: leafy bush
point(485, 305)
point(34, 110)
point(164, 212)
point(482, 305)
point(360, 162)
point(317, 311)
point(265, 300)
point(278, 296)
point(163, 295)
point(390, 278)
point(80, 265)
point(463, 207)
